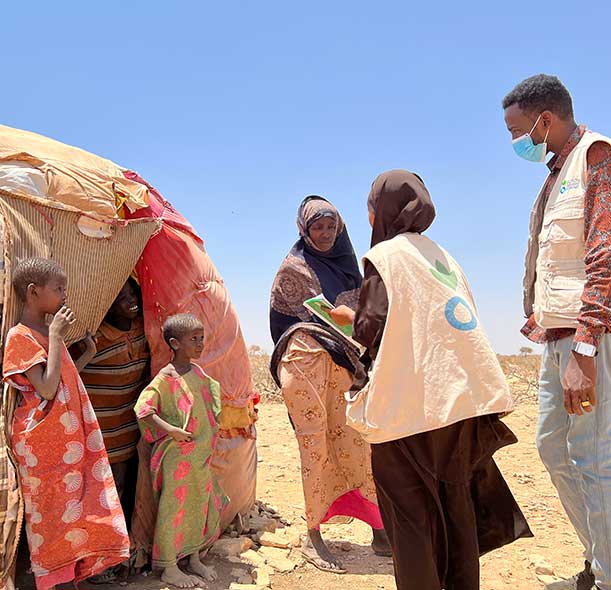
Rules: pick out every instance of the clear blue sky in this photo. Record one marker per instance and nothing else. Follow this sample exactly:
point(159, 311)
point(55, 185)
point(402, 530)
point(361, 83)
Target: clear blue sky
point(236, 110)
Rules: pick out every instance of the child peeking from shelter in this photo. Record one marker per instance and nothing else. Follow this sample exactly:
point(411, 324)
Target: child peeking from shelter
point(114, 378)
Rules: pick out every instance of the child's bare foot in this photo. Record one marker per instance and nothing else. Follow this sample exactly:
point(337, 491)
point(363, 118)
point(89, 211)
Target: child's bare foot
point(172, 575)
point(199, 569)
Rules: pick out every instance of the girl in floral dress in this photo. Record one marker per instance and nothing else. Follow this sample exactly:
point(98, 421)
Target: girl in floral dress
point(178, 414)
point(74, 522)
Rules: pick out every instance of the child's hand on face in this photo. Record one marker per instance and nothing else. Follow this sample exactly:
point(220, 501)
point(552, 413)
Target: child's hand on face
point(180, 435)
point(62, 320)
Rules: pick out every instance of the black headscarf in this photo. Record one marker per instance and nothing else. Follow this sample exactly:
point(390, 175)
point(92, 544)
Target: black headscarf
point(400, 203)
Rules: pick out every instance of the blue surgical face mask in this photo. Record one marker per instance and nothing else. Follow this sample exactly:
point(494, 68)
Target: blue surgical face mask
point(526, 148)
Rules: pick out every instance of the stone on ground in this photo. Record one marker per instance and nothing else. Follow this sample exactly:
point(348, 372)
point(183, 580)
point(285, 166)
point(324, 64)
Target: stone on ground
point(227, 547)
point(262, 524)
point(273, 540)
point(261, 577)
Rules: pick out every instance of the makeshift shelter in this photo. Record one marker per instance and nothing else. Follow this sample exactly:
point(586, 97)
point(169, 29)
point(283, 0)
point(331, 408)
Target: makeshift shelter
point(101, 222)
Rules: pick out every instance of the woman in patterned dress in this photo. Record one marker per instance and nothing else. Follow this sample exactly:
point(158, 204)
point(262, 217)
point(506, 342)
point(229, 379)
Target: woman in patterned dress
point(314, 367)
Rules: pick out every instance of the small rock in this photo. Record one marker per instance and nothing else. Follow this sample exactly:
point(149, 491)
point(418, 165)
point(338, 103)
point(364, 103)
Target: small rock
point(227, 547)
point(544, 570)
point(542, 567)
point(346, 547)
point(296, 541)
point(261, 577)
point(273, 552)
point(262, 524)
point(235, 559)
point(277, 559)
point(252, 558)
point(283, 565)
point(272, 540)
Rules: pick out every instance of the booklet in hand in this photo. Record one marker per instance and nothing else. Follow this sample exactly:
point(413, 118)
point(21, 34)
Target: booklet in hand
point(320, 307)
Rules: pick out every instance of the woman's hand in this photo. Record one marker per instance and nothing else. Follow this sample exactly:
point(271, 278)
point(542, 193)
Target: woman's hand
point(342, 315)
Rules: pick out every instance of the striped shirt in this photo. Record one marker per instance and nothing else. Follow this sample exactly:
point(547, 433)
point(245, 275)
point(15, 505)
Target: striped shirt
point(114, 379)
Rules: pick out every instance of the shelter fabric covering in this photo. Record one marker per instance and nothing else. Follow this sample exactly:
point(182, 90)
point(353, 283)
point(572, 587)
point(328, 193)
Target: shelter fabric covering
point(74, 177)
point(97, 268)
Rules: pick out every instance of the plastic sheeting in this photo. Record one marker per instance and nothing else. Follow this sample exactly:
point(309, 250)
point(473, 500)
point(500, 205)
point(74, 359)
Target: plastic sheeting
point(22, 178)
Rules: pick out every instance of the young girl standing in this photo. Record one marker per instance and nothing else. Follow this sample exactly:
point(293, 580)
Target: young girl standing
point(74, 523)
point(178, 414)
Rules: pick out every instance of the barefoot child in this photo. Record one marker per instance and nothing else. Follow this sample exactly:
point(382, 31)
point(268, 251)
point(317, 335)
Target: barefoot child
point(178, 414)
point(74, 523)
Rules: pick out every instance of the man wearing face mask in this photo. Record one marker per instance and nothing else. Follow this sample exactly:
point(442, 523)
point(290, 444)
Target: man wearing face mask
point(567, 300)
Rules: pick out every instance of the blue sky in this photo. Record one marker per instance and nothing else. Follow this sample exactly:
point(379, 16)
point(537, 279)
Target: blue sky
point(236, 110)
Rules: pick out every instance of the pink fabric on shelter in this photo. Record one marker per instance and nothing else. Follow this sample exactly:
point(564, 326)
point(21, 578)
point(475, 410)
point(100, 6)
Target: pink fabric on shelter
point(354, 504)
point(177, 276)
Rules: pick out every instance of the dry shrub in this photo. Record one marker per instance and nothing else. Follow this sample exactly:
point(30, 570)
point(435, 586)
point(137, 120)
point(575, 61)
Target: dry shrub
point(522, 373)
point(262, 378)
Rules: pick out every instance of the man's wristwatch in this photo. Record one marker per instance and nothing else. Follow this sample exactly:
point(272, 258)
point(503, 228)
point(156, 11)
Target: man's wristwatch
point(584, 349)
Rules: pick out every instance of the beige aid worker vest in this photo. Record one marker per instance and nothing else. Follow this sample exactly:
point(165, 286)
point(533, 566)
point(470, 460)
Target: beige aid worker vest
point(560, 268)
point(435, 365)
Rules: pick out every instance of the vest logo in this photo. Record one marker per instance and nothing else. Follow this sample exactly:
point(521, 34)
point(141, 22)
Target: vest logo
point(449, 279)
point(569, 185)
point(463, 326)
